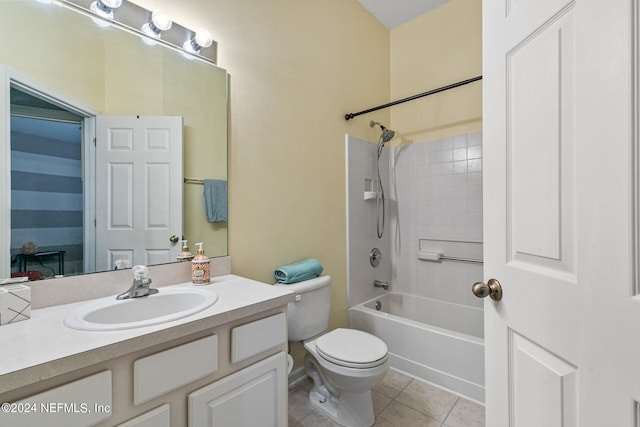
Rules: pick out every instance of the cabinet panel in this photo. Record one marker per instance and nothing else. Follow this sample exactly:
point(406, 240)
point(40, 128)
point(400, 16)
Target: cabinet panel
point(81, 403)
point(159, 417)
point(253, 338)
point(254, 396)
point(168, 370)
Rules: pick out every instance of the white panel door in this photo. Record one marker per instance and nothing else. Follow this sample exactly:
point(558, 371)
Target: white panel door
point(563, 344)
point(138, 189)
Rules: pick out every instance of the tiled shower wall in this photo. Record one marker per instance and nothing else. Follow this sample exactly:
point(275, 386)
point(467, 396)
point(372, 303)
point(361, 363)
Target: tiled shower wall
point(361, 221)
point(437, 189)
point(434, 193)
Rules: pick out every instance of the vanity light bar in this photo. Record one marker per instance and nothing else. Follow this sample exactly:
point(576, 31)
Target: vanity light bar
point(132, 17)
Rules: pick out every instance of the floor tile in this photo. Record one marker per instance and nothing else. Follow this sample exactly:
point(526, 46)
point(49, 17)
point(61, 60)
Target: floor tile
point(393, 383)
point(380, 401)
point(316, 419)
point(299, 406)
point(304, 384)
point(399, 401)
point(428, 399)
point(397, 414)
point(466, 414)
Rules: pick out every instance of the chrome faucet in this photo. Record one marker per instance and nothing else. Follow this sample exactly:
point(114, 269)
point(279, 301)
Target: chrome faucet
point(140, 286)
point(379, 284)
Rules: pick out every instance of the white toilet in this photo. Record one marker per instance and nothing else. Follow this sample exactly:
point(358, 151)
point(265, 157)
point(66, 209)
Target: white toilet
point(345, 364)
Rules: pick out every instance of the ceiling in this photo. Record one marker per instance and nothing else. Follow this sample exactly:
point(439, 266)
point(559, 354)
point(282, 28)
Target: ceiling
point(392, 13)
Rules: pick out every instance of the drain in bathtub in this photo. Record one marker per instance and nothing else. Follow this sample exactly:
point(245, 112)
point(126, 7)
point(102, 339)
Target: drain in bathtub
point(378, 305)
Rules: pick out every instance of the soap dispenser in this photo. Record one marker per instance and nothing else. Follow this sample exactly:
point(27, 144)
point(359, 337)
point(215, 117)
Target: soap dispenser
point(185, 255)
point(200, 267)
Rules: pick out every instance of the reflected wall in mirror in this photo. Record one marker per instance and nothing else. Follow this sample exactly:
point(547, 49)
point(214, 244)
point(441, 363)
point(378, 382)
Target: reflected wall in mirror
point(47, 192)
point(107, 71)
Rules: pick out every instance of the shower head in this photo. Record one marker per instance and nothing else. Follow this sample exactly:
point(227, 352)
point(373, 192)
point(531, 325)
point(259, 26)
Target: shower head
point(387, 134)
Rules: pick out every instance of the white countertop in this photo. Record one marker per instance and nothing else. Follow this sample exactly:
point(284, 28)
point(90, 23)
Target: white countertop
point(43, 347)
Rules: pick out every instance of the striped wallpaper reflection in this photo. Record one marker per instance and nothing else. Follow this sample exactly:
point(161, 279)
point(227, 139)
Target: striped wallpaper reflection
point(47, 191)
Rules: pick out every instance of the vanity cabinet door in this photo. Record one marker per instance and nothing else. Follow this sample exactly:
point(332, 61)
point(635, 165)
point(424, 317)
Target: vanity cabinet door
point(160, 373)
point(81, 403)
point(159, 417)
point(254, 396)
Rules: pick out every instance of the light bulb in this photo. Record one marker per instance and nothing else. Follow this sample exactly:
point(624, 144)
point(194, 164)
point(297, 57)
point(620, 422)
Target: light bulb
point(203, 38)
point(112, 4)
point(159, 22)
point(95, 8)
point(104, 9)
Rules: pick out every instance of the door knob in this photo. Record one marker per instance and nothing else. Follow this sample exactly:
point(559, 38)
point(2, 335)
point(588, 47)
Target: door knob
point(490, 289)
point(174, 239)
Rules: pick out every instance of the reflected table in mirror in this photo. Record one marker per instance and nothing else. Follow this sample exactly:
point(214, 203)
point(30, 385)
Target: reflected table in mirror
point(23, 259)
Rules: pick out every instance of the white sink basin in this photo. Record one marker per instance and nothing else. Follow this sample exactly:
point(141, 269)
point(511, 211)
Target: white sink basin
point(110, 314)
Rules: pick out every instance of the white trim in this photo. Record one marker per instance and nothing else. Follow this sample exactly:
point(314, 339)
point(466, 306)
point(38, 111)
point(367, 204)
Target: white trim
point(5, 187)
point(635, 149)
point(8, 78)
point(52, 96)
point(297, 376)
point(89, 186)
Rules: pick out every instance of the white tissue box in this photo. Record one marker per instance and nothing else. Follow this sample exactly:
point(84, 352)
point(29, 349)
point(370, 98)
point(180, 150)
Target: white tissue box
point(15, 303)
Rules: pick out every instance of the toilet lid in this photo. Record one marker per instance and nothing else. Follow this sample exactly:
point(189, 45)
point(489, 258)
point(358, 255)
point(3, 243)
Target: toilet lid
point(352, 348)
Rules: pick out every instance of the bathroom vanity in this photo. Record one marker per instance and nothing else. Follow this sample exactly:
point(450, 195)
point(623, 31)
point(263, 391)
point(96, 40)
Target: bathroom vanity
point(225, 365)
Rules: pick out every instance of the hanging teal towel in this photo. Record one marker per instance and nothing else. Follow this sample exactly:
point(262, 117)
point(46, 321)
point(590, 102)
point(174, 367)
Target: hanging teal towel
point(298, 271)
point(215, 200)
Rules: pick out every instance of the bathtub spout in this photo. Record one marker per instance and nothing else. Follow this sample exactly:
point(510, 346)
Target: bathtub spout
point(379, 284)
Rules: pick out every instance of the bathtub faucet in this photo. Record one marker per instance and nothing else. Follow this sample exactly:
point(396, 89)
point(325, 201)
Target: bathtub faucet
point(379, 284)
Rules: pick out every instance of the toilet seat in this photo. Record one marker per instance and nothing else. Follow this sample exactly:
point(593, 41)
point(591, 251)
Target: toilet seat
point(352, 348)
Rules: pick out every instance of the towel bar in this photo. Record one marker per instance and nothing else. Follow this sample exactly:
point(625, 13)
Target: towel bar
point(453, 258)
point(193, 181)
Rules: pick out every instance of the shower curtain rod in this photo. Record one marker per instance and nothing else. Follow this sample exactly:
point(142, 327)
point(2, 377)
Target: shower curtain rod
point(350, 116)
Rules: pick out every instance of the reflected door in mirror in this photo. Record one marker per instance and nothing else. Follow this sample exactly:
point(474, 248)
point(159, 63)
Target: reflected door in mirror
point(138, 190)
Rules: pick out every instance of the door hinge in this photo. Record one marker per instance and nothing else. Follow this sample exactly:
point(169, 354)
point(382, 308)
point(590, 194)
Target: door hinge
point(95, 142)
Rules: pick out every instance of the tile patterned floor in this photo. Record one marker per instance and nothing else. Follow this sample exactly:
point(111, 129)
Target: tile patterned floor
point(399, 400)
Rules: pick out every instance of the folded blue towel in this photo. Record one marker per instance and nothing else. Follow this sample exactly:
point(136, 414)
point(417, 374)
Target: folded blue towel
point(298, 271)
point(215, 200)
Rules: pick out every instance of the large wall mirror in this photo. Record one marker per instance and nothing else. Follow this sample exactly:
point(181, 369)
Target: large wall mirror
point(58, 72)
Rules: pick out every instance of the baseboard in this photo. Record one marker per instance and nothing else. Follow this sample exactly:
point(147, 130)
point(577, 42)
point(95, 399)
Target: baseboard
point(459, 386)
point(296, 376)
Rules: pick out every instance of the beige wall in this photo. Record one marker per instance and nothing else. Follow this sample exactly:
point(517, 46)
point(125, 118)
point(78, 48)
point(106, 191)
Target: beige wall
point(296, 68)
point(438, 48)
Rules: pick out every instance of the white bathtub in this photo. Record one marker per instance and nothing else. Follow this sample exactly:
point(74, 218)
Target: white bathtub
point(433, 340)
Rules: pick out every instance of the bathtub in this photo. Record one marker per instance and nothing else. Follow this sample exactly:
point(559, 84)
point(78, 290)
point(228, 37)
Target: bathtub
point(433, 340)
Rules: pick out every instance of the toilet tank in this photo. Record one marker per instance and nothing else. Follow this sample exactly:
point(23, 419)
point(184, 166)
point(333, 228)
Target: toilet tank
point(308, 316)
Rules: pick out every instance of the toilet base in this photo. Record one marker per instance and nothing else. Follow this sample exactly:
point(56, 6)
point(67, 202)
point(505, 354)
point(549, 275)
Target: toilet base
point(348, 409)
